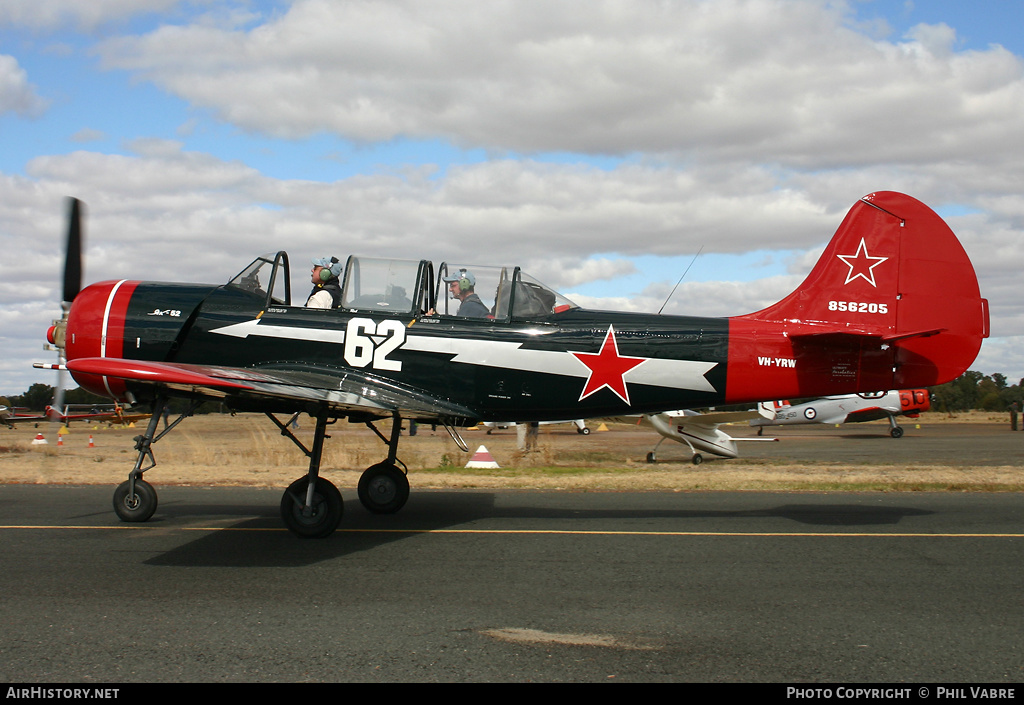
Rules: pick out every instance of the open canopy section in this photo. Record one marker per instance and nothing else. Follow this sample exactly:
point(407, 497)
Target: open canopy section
point(411, 287)
point(267, 275)
point(505, 292)
point(399, 286)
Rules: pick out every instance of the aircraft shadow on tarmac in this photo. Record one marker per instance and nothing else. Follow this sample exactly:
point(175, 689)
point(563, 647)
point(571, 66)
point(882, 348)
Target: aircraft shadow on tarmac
point(261, 540)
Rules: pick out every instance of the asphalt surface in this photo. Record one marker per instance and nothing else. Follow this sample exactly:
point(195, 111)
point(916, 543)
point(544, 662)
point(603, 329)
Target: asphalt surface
point(940, 444)
point(515, 586)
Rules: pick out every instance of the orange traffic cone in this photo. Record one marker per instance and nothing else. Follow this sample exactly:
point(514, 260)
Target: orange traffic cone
point(91, 444)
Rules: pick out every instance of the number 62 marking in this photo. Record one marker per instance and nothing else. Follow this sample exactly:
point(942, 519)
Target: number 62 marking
point(368, 343)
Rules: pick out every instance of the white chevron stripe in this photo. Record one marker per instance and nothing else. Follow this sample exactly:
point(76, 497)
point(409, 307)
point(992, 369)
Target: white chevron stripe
point(655, 372)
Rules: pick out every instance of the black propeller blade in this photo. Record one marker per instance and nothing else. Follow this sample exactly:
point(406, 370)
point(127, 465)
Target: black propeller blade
point(73, 263)
point(72, 285)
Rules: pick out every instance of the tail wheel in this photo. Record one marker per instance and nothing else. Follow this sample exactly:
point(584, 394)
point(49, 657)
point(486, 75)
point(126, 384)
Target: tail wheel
point(323, 514)
point(383, 488)
point(138, 506)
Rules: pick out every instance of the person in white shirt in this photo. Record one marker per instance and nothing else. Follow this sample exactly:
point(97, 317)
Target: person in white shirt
point(326, 286)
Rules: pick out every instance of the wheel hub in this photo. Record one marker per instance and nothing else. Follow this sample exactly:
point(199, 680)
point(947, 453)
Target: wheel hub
point(383, 489)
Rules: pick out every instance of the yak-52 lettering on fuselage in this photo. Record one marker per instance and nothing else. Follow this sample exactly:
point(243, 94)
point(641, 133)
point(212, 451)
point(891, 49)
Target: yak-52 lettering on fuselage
point(892, 303)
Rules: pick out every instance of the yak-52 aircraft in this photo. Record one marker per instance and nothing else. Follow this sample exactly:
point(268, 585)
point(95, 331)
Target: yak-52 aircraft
point(893, 302)
point(847, 408)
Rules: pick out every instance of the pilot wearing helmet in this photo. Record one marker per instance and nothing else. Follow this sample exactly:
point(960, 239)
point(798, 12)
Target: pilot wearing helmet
point(326, 286)
point(461, 286)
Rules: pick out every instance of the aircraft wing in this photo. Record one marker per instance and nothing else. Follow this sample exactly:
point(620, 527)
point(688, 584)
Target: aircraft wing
point(273, 388)
point(692, 418)
point(717, 418)
point(11, 419)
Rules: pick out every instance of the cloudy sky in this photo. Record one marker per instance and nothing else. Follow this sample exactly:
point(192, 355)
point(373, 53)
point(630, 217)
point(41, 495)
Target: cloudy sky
point(600, 144)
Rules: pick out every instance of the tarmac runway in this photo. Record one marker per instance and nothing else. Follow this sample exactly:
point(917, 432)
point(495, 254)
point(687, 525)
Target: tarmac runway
point(967, 444)
point(515, 586)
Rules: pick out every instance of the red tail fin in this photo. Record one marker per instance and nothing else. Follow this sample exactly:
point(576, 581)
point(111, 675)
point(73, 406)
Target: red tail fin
point(895, 285)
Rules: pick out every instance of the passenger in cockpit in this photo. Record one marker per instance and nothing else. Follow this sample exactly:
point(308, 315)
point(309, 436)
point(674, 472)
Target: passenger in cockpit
point(326, 286)
point(462, 285)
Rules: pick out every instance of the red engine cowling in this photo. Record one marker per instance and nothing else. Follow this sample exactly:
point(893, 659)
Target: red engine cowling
point(914, 401)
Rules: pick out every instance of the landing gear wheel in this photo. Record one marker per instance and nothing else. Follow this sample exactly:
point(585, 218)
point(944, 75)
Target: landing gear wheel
point(896, 432)
point(651, 458)
point(323, 515)
point(583, 431)
point(139, 506)
point(697, 459)
point(383, 488)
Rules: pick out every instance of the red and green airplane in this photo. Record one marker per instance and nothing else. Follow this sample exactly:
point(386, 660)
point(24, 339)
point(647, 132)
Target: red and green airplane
point(892, 303)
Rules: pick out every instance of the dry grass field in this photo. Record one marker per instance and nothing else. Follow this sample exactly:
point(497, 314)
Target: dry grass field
point(971, 452)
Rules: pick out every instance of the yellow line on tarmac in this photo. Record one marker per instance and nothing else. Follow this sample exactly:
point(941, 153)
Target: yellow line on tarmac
point(553, 532)
point(677, 533)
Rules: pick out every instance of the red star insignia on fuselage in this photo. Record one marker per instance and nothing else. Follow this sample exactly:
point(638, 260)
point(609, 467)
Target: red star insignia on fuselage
point(607, 368)
point(861, 264)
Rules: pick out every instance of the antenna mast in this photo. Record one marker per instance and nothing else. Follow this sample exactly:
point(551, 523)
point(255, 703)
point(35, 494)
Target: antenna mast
point(680, 280)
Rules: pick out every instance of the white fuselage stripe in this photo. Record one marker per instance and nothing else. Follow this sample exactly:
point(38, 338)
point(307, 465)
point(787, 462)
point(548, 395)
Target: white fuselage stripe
point(655, 372)
point(103, 332)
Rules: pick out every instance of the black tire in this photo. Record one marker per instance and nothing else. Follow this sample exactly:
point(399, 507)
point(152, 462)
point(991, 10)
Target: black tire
point(140, 506)
point(651, 458)
point(583, 431)
point(326, 509)
point(383, 488)
point(896, 432)
point(698, 458)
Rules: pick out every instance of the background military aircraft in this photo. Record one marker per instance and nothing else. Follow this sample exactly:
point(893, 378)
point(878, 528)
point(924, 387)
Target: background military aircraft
point(893, 302)
point(106, 413)
point(11, 415)
point(700, 432)
point(847, 408)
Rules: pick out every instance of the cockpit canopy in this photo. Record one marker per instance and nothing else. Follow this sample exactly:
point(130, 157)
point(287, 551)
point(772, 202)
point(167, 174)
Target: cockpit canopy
point(409, 287)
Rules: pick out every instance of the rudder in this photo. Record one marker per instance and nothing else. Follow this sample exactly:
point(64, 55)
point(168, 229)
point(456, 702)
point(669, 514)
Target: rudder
point(894, 272)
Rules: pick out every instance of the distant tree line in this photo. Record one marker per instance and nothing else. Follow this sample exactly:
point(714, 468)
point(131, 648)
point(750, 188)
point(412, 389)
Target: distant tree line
point(974, 390)
point(39, 396)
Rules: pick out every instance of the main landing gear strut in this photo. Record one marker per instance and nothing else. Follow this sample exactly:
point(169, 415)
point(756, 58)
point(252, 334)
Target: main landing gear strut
point(895, 430)
point(696, 458)
point(311, 507)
